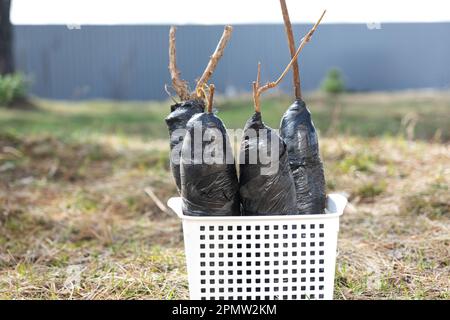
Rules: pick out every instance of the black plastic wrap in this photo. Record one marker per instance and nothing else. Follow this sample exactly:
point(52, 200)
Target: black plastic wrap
point(208, 189)
point(180, 114)
point(299, 134)
point(264, 193)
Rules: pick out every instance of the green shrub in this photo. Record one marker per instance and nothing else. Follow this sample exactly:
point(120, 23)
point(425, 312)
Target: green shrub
point(12, 87)
point(333, 82)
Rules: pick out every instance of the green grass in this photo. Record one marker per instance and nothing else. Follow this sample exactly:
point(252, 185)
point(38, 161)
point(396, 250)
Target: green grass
point(371, 116)
point(80, 120)
point(372, 189)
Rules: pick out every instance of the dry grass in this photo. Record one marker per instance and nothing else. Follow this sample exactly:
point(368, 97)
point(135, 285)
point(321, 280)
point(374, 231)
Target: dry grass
point(75, 222)
point(395, 234)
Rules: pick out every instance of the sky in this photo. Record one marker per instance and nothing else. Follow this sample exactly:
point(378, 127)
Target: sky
point(81, 12)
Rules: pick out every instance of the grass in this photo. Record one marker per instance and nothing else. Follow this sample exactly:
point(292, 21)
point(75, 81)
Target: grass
point(75, 222)
point(368, 115)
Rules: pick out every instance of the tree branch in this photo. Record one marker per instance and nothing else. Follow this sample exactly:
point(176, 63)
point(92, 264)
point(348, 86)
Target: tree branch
point(255, 85)
point(304, 41)
point(211, 97)
point(180, 86)
point(269, 85)
point(291, 43)
point(218, 53)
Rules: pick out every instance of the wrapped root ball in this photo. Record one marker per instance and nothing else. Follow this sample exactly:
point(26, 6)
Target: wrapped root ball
point(209, 184)
point(298, 132)
point(176, 122)
point(266, 183)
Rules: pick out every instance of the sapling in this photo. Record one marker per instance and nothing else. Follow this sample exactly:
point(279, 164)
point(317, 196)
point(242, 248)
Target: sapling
point(209, 184)
point(300, 136)
point(273, 191)
point(333, 85)
point(191, 103)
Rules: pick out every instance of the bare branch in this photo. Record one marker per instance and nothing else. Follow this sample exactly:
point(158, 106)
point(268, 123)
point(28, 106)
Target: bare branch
point(180, 86)
point(258, 75)
point(305, 40)
point(255, 97)
point(218, 53)
point(211, 97)
point(156, 200)
point(291, 43)
point(269, 85)
point(255, 89)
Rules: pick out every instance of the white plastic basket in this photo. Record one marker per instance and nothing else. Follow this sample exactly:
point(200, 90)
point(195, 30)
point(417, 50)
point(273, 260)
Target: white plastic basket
point(261, 257)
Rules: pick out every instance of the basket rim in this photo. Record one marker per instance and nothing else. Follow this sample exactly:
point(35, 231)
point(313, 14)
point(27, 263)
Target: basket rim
point(335, 200)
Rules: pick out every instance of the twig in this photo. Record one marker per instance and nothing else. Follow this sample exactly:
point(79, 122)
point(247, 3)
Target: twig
point(259, 90)
point(255, 85)
point(211, 97)
point(258, 75)
point(304, 41)
point(291, 43)
point(166, 88)
point(179, 85)
point(218, 53)
point(155, 199)
point(202, 93)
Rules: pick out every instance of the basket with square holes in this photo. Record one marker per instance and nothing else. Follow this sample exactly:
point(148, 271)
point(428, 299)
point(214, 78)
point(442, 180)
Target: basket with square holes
point(261, 257)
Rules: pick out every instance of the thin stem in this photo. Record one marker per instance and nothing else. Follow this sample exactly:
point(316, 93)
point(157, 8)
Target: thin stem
point(166, 88)
point(218, 53)
point(291, 43)
point(305, 40)
point(255, 97)
point(255, 89)
point(180, 86)
point(258, 90)
point(211, 97)
point(258, 75)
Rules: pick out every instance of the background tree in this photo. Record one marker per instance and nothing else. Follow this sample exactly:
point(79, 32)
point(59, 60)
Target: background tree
point(13, 86)
point(333, 85)
point(6, 38)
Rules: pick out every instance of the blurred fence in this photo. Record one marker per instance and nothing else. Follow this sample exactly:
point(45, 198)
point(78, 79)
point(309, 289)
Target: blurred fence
point(130, 62)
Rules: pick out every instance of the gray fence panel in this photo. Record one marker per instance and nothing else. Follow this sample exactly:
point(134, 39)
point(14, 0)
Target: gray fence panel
point(130, 62)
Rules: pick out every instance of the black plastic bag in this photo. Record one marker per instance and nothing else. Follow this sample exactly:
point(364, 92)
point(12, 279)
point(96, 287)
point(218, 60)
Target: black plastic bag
point(180, 114)
point(208, 189)
point(269, 192)
point(299, 134)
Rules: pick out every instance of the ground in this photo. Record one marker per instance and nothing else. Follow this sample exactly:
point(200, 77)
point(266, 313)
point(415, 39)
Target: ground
point(75, 221)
